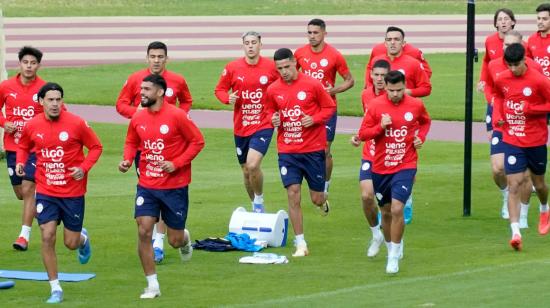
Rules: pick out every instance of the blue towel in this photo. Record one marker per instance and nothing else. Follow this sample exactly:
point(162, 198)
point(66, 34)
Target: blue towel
point(243, 242)
point(43, 276)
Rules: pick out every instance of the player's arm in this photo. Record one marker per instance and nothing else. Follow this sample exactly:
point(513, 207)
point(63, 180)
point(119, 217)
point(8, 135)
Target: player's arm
point(345, 73)
point(425, 65)
point(193, 137)
point(371, 126)
point(328, 106)
point(271, 109)
point(489, 89)
point(424, 123)
point(125, 100)
point(484, 70)
point(24, 147)
point(185, 100)
point(131, 145)
point(222, 90)
point(422, 84)
point(498, 106)
point(8, 126)
point(91, 142)
point(544, 108)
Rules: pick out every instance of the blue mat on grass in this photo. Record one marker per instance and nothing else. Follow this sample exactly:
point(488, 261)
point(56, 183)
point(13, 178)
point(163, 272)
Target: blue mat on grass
point(44, 277)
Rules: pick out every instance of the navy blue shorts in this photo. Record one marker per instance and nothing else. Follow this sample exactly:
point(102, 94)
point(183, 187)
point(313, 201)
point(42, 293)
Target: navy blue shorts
point(393, 186)
point(258, 141)
point(30, 168)
point(517, 160)
point(172, 204)
point(294, 167)
point(69, 210)
point(497, 145)
point(365, 172)
point(330, 126)
point(489, 117)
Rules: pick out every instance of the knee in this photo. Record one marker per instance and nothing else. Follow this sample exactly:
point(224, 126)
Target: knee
point(367, 195)
point(252, 167)
point(318, 199)
point(498, 168)
point(144, 232)
point(48, 237)
point(396, 211)
point(72, 243)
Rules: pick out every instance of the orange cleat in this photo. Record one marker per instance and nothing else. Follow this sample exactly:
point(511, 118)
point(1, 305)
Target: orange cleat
point(515, 242)
point(20, 244)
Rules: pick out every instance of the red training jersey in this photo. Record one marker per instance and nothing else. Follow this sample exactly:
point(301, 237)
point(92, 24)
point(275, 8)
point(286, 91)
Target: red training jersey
point(58, 145)
point(367, 96)
point(322, 65)
point(249, 82)
point(394, 146)
point(408, 49)
point(130, 96)
point(515, 97)
point(21, 102)
point(164, 135)
point(493, 50)
point(538, 48)
point(303, 96)
point(416, 78)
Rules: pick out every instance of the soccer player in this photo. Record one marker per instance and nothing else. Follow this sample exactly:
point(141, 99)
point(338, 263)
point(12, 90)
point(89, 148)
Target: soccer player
point(538, 44)
point(243, 84)
point(495, 68)
point(398, 123)
point(19, 96)
point(379, 71)
point(58, 137)
point(129, 100)
point(417, 81)
point(299, 107)
point(169, 141)
point(520, 92)
point(321, 61)
point(408, 49)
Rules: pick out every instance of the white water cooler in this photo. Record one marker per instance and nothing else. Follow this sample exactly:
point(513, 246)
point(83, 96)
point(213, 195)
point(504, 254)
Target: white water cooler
point(272, 228)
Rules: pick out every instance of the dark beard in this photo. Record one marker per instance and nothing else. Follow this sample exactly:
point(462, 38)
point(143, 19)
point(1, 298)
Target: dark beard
point(149, 102)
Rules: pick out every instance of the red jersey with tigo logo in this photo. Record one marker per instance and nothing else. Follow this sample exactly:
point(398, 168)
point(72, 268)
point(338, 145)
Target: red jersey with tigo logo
point(304, 96)
point(538, 48)
point(249, 82)
point(493, 50)
point(164, 135)
point(58, 145)
point(408, 49)
point(394, 147)
point(416, 78)
point(130, 96)
point(367, 96)
point(515, 96)
point(21, 102)
point(322, 65)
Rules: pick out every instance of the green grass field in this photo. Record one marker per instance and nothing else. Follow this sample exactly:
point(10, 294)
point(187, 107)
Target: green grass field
point(450, 261)
point(14, 8)
point(103, 83)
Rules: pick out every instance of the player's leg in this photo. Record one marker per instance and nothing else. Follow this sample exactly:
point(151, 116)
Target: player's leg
point(524, 197)
point(497, 168)
point(75, 236)
point(297, 219)
point(370, 210)
point(331, 134)
point(537, 167)
point(21, 243)
point(258, 146)
point(159, 232)
point(29, 204)
point(174, 208)
point(241, 147)
point(515, 167)
point(313, 168)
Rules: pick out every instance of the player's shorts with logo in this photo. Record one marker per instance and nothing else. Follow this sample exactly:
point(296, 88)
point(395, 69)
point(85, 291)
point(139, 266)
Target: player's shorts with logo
point(30, 168)
point(330, 126)
point(489, 118)
point(497, 144)
point(70, 210)
point(365, 172)
point(393, 186)
point(258, 141)
point(517, 159)
point(172, 204)
point(294, 167)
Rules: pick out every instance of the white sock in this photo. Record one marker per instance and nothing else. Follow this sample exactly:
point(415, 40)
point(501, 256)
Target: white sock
point(515, 228)
point(300, 239)
point(543, 208)
point(85, 239)
point(504, 192)
point(524, 210)
point(375, 231)
point(25, 232)
point(159, 241)
point(388, 246)
point(152, 282)
point(395, 247)
point(327, 185)
point(258, 199)
point(55, 286)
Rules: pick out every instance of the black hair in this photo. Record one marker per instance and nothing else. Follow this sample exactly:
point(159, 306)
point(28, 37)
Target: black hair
point(514, 53)
point(157, 45)
point(394, 77)
point(157, 80)
point(283, 53)
point(544, 7)
point(393, 29)
point(317, 22)
point(381, 64)
point(50, 86)
point(31, 51)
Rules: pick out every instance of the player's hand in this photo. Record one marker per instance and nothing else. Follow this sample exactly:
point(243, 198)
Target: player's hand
point(307, 120)
point(408, 91)
point(77, 173)
point(9, 127)
point(20, 170)
point(167, 166)
point(233, 97)
point(329, 88)
point(123, 166)
point(417, 142)
point(481, 86)
point(385, 121)
point(276, 119)
point(354, 140)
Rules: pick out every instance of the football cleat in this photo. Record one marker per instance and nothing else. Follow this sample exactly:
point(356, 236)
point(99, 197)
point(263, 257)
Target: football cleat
point(20, 244)
point(149, 293)
point(55, 298)
point(515, 242)
point(186, 252)
point(85, 252)
point(544, 224)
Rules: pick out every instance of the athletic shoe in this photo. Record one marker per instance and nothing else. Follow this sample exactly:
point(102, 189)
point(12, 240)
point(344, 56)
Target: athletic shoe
point(523, 222)
point(401, 249)
point(374, 246)
point(393, 265)
point(55, 298)
point(408, 210)
point(186, 252)
point(324, 209)
point(149, 293)
point(301, 251)
point(258, 208)
point(515, 242)
point(20, 244)
point(85, 252)
point(159, 255)
point(544, 224)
